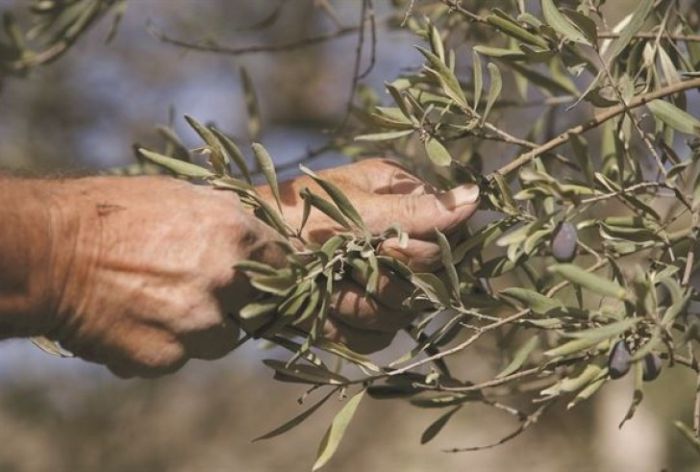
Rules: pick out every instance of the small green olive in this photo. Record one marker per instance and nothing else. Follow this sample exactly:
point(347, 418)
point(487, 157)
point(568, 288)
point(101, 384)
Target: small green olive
point(564, 241)
point(620, 360)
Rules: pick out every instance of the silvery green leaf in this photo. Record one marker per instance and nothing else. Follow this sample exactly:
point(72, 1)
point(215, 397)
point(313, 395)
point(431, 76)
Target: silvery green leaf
point(218, 158)
point(520, 357)
point(561, 23)
point(605, 331)
point(267, 167)
point(576, 345)
point(512, 54)
point(433, 287)
point(174, 145)
point(635, 23)
point(674, 117)
point(437, 426)
point(177, 166)
point(538, 303)
point(585, 24)
point(448, 263)
point(385, 136)
point(590, 389)
point(436, 43)
point(638, 394)
point(689, 434)
point(442, 400)
point(571, 384)
point(297, 419)
point(305, 373)
point(495, 86)
point(251, 104)
point(336, 431)
point(512, 28)
point(341, 201)
point(278, 284)
point(447, 78)
point(342, 351)
point(51, 347)
point(437, 153)
point(233, 152)
point(595, 283)
point(257, 309)
point(478, 78)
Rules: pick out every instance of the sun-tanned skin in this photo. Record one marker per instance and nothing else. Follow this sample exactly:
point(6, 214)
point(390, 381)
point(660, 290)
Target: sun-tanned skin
point(138, 273)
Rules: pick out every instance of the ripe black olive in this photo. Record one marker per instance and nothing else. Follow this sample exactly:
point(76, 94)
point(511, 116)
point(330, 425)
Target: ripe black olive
point(652, 367)
point(620, 360)
point(564, 241)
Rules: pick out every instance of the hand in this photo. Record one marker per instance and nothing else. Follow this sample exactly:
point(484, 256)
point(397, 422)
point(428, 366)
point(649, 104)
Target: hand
point(384, 193)
point(143, 271)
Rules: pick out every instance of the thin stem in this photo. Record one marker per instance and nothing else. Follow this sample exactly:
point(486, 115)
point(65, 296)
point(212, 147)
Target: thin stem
point(606, 115)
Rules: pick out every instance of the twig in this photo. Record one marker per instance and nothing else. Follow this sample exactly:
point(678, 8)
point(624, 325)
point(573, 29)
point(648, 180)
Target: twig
point(690, 38)
point(606, 115)
point(463, 345)
point(456, 6)
point(529, 420)
point(256, 48)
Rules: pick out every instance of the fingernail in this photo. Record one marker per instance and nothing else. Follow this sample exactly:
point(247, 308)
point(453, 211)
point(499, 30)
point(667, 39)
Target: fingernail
point(464, 195)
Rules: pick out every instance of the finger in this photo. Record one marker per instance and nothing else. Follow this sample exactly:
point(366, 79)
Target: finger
point(418, 255)
point(213, 342)
point(384, 176)
point(351, 304)
point(420, 215)
point(144, 351)
point(391, 291)
point(360, 341)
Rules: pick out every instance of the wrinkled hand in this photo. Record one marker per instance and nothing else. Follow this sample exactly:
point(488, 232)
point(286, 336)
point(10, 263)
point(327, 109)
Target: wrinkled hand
point(384, 193)
point(142, 269)
point(143, 276)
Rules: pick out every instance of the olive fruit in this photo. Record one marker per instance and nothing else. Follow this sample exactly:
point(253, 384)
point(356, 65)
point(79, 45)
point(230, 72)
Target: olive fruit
point(620, 360)
point(564, 240)
point(651, 368)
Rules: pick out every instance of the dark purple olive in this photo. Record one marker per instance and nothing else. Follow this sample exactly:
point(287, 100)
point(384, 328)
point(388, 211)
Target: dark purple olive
point(620, 360)
point(564, 241)
point(652, 367)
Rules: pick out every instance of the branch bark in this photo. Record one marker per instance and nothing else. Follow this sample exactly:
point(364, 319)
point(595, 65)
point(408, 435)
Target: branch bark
point(606, 115)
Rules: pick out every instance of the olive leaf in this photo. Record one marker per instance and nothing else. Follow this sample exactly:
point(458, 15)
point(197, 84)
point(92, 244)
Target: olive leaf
point(437, 426)
point(177, 166)
point(592, 282)
point(336, 431)
point(496, 84)
point(297, 420)
point(674, 117)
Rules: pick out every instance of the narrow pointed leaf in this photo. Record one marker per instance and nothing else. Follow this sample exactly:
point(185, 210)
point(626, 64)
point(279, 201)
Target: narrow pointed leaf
point(437, 152)
point(251, 104)
point(267, 167)
point(437, 426)
point(561, 23)
point(595, 283)
point(674, 117)
point(494, 89)
point(336, 431)
point(297, 420)
point(338, 197)
point(177, 166)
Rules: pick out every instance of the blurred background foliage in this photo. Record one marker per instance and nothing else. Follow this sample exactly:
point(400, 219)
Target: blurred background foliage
point(83, 112)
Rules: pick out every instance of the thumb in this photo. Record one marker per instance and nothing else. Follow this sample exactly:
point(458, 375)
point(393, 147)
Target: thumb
point(419, 215)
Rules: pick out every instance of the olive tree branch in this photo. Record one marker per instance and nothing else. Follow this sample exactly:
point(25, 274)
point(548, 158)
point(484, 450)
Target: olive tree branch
point(455, 5)
point(601, 118)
